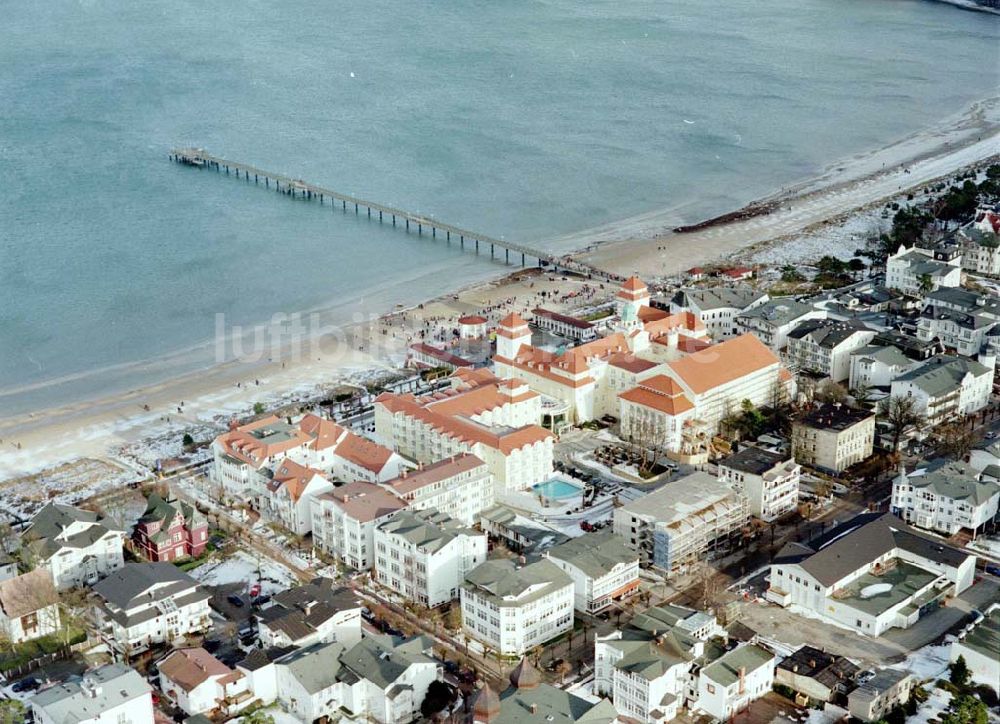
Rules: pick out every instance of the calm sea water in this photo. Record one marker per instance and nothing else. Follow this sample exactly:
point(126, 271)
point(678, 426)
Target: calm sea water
point(522, 118)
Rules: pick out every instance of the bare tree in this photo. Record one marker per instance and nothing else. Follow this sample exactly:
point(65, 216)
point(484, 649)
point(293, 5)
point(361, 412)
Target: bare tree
point(901, 414)
point(829, 391)
point(956, 440)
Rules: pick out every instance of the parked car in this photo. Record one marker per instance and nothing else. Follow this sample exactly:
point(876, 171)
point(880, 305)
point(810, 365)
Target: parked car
point(235, 600)
point(27, 684)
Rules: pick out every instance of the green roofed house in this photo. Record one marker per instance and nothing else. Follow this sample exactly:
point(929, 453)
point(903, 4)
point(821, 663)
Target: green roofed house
point(602, 567)
point(512, 606)
point(729, 684)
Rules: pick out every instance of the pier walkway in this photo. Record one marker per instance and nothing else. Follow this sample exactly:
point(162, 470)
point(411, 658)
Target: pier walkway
point(298, 188)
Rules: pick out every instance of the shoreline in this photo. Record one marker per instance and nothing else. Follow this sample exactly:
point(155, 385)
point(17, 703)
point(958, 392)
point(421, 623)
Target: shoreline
point(207, 397)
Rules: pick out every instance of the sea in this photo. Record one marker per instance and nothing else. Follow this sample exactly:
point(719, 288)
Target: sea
point(528, 120)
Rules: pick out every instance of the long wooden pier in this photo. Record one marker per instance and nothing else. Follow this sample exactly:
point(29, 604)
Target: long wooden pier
point(297, 188)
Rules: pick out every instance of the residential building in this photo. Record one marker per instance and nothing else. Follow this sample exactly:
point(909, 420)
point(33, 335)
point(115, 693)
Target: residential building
point(564, 325)
point(833, 437)
point(144, 604)
point(732, 682)
point(344, 521)
point(981, 244)
point(770, 481)
point(945, 499)
point(512, 608)
point(169, 530)
point(260, 668)
point(242, 454)
point(111, 694)
point(528, 700)
point(683, 522)
point(870, 574)
point(201, 684)
point(877, 367)
point(315, 612)
point(946, 388)
point(647, 668)
point(29, 606)
point(460, 486)
point(430, 357)
point(495, 420)
point(917, 271)
point(823, 347)
point(288, 493)
point(719, 308)
point(424, 555)
point(518, 532)
point(819, 675)
point(603, 569)
point(76, 546)
point(874, 699)
point(377, 679)
point(979, 645)
point(772, 321)
point(962, 320)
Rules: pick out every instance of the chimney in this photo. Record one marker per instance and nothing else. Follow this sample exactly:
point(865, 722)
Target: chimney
point(533, 708)
point(812, 663)
point(743, 679)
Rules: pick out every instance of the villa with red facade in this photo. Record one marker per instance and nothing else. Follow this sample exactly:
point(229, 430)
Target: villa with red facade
point(169, 530)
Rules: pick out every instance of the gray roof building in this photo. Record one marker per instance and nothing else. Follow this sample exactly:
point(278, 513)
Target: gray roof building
point(505, 582)
point(727, 669)
point(735, 297)
point(428, 530)
point(100, 690)
point(596, 554)
point(827, 333)
point(942, 374)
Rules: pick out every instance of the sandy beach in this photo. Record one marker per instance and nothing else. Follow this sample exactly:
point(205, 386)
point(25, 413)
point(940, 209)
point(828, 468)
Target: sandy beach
point(206, 400)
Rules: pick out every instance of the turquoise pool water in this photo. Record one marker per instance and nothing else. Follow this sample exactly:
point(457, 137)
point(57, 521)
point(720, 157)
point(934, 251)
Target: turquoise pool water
point(557, 489)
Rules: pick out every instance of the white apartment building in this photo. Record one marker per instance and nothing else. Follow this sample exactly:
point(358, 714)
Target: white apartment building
point(964, 321)
point(512, 608)
point(870, 574)
point(345, 518)
point(78, 547)
point(603, 569)
point(729, 684)
point(946, 388)
point(916, 271)
point(833, 437)
point(286, 495)
point(29, 606)
point(683, 522)
point(495, 420)
point(823, 346)
point(460, 486)
point(874, 366)
point(772, 321)
point(111, 694)
point(981, 243)
point(888, 689)
point(946, 500)
point(143, 604)
point(647, 667)
point(770, 481)
point(241, 455)
point(424, 555)
point(719, 308)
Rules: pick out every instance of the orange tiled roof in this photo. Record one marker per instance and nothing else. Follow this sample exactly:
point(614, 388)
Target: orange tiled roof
point(363, 452)
point(630, 362)
point(660, 393)
point(412, 480)
point(325, 433)
point(188, 668)
point(293, 477)
point(722, 363)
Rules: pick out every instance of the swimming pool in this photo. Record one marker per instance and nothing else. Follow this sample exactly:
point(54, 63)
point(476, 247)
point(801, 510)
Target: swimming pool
point(557, 489)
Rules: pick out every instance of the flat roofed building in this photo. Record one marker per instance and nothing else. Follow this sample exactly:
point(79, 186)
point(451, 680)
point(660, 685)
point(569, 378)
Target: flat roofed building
point(874, 699)
point(603, 569)
point(682, 522)
point(769, 480)
point(833, 437)
point(512, 607)
point(870, 574)
point(424, 555)
point(979, 646)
